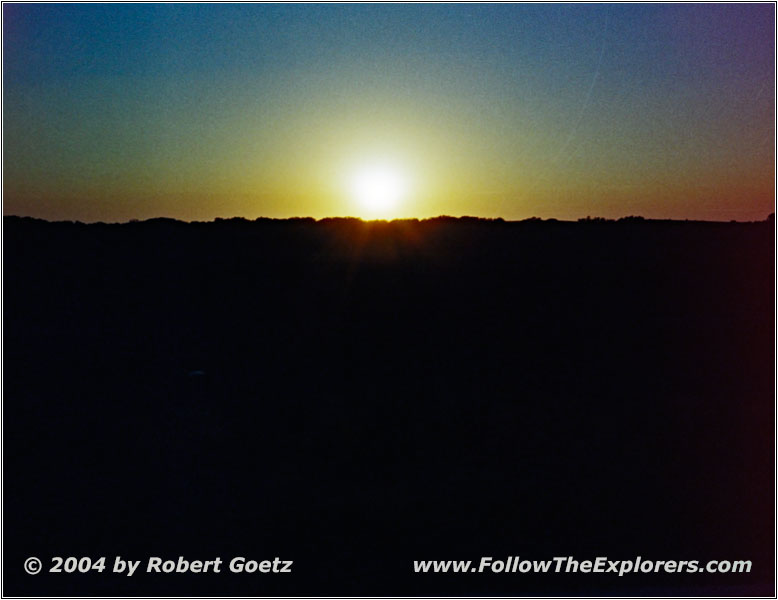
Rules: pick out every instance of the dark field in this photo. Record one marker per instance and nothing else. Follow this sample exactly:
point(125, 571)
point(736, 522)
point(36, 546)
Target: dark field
point(355, 396)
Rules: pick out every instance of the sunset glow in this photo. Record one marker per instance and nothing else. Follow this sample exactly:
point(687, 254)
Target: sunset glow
point(195, 111)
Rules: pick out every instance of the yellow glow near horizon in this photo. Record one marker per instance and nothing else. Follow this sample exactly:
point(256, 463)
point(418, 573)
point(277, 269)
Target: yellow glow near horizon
point(379, 189)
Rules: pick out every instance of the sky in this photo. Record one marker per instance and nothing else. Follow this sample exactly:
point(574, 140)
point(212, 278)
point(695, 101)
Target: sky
point(114, 112)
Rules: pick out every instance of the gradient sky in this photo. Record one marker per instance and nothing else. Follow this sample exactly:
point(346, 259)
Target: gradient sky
point(195, 111)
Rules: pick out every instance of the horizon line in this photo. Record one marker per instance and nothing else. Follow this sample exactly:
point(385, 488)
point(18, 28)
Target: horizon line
point(469, 218)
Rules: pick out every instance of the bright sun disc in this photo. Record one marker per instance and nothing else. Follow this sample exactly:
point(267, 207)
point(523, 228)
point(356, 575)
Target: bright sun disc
point(378, 189)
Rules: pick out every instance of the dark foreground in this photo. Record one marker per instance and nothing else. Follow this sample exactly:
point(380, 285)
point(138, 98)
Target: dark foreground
point(354, 397)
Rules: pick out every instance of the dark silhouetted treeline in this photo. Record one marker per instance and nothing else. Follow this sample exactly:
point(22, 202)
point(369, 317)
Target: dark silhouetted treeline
point(358, 395)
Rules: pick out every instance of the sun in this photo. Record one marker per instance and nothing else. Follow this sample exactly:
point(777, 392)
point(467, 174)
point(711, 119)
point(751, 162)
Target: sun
point(379, 189)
